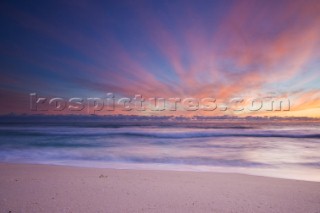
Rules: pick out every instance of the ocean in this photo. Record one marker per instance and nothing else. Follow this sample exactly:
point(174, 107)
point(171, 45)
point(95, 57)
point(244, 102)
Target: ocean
point(275, 149)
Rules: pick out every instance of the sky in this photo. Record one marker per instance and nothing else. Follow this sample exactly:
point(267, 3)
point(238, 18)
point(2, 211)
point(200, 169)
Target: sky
point(181, 49)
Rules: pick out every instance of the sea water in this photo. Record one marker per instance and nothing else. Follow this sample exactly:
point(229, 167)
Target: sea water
point(282, 150)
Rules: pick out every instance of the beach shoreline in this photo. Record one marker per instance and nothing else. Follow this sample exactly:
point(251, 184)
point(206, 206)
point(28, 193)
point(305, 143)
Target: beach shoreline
point(50, 188)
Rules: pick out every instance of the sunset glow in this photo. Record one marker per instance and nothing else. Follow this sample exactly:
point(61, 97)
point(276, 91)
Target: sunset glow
point(218, 49)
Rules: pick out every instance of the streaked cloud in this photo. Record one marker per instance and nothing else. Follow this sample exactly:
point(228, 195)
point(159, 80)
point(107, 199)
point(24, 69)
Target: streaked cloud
point(165, 49)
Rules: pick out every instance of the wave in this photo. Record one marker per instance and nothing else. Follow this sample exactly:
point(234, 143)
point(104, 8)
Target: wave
point(204, 135)
point(167, 135)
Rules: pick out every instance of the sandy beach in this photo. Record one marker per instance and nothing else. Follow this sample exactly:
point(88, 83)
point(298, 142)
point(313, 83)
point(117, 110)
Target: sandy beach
point(45, 188)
